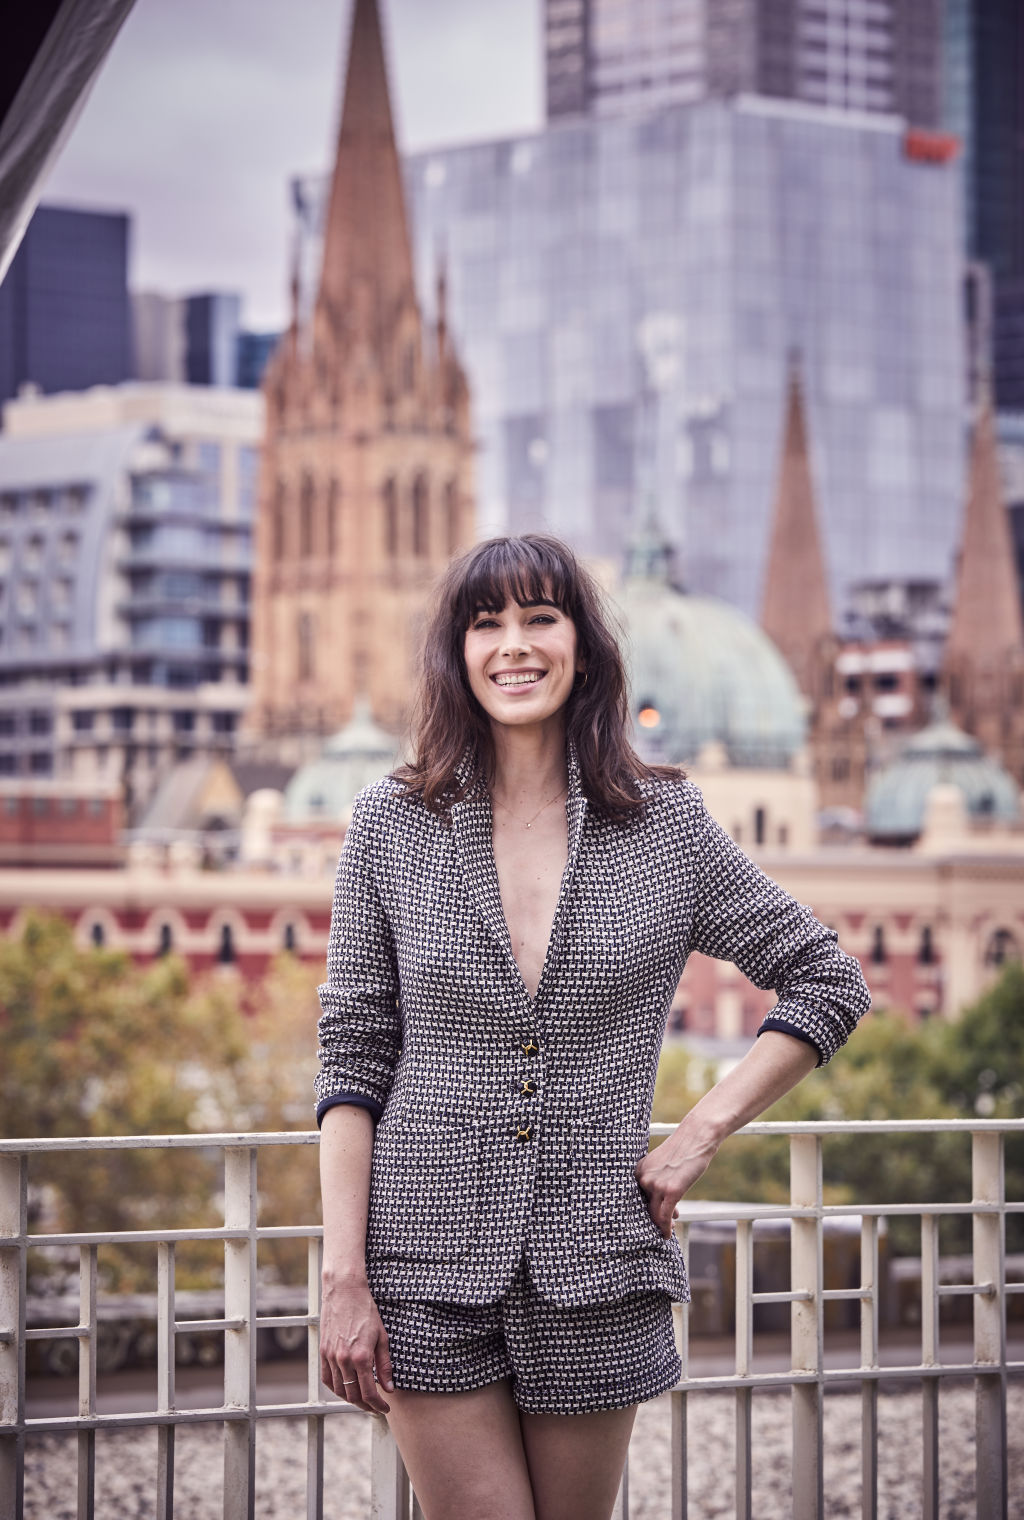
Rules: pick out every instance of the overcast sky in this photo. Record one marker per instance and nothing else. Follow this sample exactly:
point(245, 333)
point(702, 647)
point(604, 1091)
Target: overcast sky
point(205, 108)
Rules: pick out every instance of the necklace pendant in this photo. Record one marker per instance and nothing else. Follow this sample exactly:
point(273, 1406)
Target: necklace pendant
point(529, 825)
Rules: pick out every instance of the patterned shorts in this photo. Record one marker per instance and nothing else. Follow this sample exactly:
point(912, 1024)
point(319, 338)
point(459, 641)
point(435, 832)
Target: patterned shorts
point(560, 1360)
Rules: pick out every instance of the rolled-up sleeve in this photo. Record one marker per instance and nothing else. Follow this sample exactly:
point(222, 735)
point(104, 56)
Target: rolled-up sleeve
point(359, 1028)
point(741, 915)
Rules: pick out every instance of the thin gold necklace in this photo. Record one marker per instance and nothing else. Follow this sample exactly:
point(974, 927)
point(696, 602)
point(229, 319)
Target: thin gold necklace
point(536, 815)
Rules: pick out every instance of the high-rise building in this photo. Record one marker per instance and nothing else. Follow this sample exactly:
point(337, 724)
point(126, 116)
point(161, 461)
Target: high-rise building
point(198, 339)
point(125, 552)
point(365, 488)
point(604, 57)
point(983, 103)
point(706, 242)
point(65, 316)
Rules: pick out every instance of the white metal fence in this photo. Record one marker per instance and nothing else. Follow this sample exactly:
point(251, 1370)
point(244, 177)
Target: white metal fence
point(807, 1378)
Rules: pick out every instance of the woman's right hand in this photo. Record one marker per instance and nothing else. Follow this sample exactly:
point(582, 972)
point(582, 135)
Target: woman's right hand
point(353, 1341)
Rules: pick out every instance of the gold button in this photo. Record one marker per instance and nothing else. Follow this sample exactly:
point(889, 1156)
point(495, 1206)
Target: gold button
point(529, 1046)
point(524, 1132)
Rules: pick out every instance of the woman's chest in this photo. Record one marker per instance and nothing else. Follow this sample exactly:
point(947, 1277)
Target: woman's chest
point(529, 866)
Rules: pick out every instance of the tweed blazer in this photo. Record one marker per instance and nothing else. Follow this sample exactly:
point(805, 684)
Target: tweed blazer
point(508, 1124)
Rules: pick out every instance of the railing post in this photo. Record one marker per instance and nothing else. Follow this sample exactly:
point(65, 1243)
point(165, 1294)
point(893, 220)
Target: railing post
point(744, 1364)
point(87, 1381)
point(314, 1389)
point(806, 1331)
point(240, 1344)
point(681, 1328)
point(13, 1253)
point(869, 1359)
point(930, 1358)
point(389, 1481)
point(166, 1346)
point(989, 1187)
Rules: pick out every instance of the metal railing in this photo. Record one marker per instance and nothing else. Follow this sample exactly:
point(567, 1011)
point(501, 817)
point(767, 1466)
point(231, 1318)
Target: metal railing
point(808, 1378)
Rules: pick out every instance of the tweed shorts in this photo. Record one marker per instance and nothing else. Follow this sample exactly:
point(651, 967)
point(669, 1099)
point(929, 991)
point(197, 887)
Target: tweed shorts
point(560, 1360)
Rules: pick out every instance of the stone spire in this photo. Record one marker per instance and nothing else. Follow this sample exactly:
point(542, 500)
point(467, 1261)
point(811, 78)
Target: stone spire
point(987, 624)
point(795, 608)
point(367, 260)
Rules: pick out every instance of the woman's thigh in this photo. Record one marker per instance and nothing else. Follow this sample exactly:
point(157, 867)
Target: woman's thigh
point(575, 1461)
point(464, 1453)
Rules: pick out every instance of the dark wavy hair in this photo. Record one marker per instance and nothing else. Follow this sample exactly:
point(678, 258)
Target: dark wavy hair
point(448, 721)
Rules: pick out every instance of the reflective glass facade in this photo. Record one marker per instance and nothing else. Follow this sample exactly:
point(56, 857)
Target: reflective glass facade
point(698, 246)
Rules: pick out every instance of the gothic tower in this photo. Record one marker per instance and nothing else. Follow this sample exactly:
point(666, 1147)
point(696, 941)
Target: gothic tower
point(366, 485)
point(983, 667)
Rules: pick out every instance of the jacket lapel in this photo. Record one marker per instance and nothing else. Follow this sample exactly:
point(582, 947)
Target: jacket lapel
point(471, 827)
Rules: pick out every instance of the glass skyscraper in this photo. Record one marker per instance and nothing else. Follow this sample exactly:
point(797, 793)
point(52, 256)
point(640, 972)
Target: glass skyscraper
point(627, 293)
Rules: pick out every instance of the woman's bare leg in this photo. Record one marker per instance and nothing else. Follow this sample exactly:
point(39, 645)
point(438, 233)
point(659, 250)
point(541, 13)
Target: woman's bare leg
point(464, 1453)
point(576, 1461)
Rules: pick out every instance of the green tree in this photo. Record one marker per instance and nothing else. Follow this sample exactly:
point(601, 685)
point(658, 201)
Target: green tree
point(91, 1044)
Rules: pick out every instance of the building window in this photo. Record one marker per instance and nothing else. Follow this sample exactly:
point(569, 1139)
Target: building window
point(306, 505)
point(184, 722)
point(166, 940)
point(783, 835)
point(926, 949)
point(122, 720)
point(289, 937)
point(420, 517)
point(390, 498)
point(305, 643)
point(451, 515)
point(760, 822)
point(333, 510)
point(1002, 947)
point(7, 724)
point(98, 936)
point(226, 949)
point(878, 946)
point(40, 763)
point(280, 502)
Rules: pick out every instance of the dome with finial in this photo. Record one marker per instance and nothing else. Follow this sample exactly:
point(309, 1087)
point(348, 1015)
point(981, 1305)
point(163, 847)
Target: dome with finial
point(940, 754)
point(701, 672)
point(355, 756)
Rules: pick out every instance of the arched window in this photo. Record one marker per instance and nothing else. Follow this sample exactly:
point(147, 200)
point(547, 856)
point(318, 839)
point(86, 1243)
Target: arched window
point(98, 936)
point(926, 949)
point(306, 517)
point(333, 518)
point(420, 517)
point(451, 516)
point(878, 946)
point(166, 940)
point(409, 366)
point(280, 502)
point(1002, 947)
point(390, 499)
point(760, 825)
point(305, 646)
point(226, 949)
point(289, 937)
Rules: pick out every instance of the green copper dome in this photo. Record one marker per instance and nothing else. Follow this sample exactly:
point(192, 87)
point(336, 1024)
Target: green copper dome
point(702, 672)
point(941, 753)
point(356, 755)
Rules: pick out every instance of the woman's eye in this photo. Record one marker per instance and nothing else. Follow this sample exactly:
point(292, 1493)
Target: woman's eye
point(542, 617)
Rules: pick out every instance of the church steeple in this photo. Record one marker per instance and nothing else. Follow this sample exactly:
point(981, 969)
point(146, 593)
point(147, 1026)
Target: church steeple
point(795, 610)
point(987, 623)
point(367, 258)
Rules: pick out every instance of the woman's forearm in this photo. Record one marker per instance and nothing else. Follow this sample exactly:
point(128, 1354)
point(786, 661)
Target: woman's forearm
point(776, 1063)
point(346, 1146)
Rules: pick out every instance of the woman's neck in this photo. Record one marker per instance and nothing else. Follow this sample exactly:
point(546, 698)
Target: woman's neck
point(529, 764)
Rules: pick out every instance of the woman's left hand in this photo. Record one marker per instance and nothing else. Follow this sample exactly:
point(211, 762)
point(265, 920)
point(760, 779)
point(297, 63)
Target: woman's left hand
point(668, 1172)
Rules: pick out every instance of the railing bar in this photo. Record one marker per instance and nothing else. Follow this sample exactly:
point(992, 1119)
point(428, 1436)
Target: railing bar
point(952, 1289)
point(679, 1462)
point(869, 1316)
point(865, 1295)
point(240, 1204)
point(988, 1187)
point(805, 1169)
point(930, 1465)
point(87, 1265)
point(315, 1423)
point(86, 1507)
point(744, 1298)
point(783, 1298)
point(194, 1326)
point(929, 1286)
point(286, 1321)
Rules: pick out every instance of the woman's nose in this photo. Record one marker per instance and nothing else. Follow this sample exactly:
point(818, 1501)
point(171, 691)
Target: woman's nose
point(515, 642)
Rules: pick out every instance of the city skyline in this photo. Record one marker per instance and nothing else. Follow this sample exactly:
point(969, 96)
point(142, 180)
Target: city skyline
point(204, 170)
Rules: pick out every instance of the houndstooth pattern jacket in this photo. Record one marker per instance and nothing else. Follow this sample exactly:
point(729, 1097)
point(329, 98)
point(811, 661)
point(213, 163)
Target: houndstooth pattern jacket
point(509, 1124)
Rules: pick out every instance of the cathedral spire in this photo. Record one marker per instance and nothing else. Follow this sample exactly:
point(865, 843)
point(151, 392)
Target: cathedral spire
point(367, 260)
point(987, 623)
point(795, 609)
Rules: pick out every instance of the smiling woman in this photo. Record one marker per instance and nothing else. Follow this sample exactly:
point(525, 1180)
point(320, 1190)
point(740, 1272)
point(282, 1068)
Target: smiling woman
point(512, 914)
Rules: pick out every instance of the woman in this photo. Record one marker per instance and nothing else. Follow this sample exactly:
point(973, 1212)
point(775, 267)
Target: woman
point(512, 914)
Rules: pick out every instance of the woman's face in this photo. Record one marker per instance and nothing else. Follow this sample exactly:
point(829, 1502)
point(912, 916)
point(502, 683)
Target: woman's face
point(522, 662)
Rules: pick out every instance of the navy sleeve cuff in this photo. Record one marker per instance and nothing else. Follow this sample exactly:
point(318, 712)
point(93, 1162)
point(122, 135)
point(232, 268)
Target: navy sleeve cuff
point(783, 1027)
point(359, 1100)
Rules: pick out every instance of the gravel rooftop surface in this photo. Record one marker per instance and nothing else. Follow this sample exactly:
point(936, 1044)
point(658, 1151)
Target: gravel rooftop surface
point(126, 1463)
